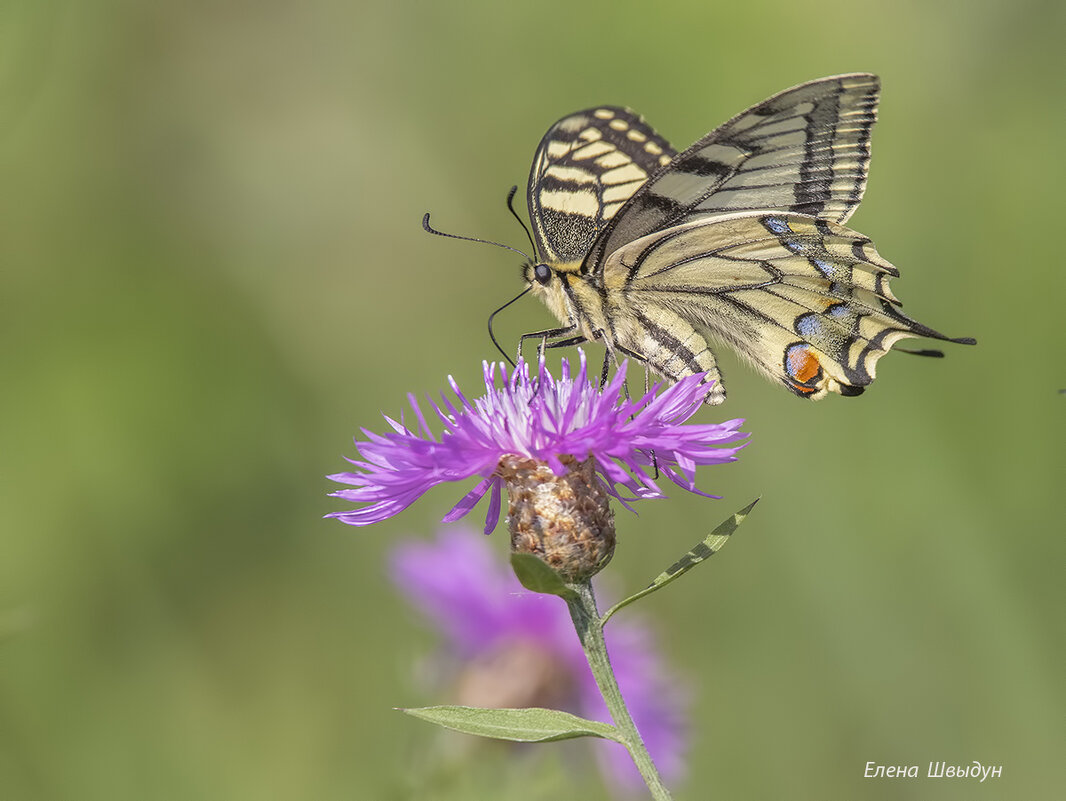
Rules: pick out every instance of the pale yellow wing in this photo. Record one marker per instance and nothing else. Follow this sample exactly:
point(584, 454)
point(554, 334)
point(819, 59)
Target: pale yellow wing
point(806, 300)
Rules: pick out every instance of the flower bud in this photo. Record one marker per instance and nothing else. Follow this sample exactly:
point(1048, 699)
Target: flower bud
point(564, 520)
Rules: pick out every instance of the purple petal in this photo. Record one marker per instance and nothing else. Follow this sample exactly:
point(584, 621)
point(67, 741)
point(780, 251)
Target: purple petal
point(542, 419)
point(492, 516)
point(468, 501)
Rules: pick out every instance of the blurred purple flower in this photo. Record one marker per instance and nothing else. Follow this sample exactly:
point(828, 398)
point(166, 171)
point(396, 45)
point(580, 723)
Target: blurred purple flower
point(542, 419)
point(515, 648)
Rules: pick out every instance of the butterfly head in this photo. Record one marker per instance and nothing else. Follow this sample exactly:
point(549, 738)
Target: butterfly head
point(538, 274)
point(551, 282)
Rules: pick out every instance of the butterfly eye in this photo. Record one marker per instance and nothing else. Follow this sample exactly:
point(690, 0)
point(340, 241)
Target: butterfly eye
point(543, 273)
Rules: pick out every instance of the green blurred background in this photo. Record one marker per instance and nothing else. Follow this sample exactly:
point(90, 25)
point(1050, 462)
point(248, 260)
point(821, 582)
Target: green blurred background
point(213, 274)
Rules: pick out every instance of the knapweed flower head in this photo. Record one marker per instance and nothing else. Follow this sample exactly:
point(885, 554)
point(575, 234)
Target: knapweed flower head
point(522, 423)
point(507, 647)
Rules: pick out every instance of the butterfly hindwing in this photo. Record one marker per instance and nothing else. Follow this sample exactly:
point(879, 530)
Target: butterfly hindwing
point(807, 301)
point(804, 150)
point(585, 169)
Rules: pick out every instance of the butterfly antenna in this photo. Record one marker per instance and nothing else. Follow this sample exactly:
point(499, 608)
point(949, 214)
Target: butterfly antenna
point(510, 207)
point(492, 335)
point(430, 229)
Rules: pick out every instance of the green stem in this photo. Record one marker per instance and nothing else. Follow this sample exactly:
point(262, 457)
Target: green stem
point(586, 619)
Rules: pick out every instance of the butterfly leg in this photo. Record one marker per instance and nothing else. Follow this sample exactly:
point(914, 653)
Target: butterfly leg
point(543, 336)
point(559, 343)
point(632, 354)
point(544, 344)
point(609, 355)
point(563, 343)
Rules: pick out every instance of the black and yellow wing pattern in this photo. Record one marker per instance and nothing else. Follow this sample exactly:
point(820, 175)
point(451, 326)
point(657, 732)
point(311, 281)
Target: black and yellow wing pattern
point(587, 167)
point(739, 238)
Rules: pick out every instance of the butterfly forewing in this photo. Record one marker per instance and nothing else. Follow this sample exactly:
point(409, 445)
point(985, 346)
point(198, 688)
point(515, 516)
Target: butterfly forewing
point(804, 150)
point(586, 167)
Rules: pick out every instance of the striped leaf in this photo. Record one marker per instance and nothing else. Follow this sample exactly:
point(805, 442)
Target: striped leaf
point(709, 546)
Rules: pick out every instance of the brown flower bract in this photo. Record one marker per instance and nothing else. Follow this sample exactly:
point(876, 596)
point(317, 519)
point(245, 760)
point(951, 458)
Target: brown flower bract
point(564, 520)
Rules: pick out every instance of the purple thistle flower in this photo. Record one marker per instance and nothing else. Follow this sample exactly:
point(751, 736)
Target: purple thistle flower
point(542, 419)
point(515, 648)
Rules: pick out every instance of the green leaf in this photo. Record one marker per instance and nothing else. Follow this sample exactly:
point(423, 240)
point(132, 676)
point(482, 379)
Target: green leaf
point(710, 545)
point(538, 576)
point(519, 725)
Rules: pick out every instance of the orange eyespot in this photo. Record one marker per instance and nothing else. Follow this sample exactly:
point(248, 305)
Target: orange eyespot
point(802, 366)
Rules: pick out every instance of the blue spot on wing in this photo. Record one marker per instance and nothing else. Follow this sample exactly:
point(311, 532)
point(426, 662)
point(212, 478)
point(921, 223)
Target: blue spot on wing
point(777, 225)
point(808, 326)
point(825, 268)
